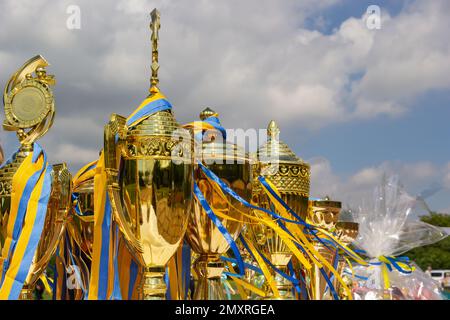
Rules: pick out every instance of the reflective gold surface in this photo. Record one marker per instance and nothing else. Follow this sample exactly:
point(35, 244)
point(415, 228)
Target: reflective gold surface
point(152, 200)
point(291, 176)
point(55, 219)
point(347, 232)
point(230, 164)
point(29, 102)
point(57, 212)
point(323, 214)
point(81, 228)
point(29, 110)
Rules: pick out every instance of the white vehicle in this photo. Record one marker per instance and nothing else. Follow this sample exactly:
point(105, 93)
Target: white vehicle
point(442, 276)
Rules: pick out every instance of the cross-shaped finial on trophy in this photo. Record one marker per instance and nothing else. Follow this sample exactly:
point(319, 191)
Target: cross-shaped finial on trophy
point(155, 24)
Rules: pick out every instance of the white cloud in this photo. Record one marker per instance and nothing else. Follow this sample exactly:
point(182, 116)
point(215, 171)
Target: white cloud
point(352, 189)
point(251, 61)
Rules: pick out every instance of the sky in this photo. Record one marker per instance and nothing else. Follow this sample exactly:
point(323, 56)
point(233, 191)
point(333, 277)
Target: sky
point(353, 101)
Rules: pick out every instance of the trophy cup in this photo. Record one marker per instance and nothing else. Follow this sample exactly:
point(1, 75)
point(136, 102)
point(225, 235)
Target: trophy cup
point(152, 199)
point(29, 110)
point(291, 176)
point(347, 232)
point(80, 228)
point(323, 214)
point(231, 165)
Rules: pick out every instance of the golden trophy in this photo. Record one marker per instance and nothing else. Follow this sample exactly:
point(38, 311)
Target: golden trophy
point(347, 232)
point(80, 228)
point(149, 172)
point(29, 110)
point(230, 163)
point(291, 176)
point(323, 214)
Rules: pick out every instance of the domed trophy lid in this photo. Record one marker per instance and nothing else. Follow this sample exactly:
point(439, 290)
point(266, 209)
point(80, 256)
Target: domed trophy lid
point(275, 150)
point(214, 144)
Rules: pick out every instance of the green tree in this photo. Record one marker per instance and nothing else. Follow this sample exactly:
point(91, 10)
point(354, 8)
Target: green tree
point(436, 255)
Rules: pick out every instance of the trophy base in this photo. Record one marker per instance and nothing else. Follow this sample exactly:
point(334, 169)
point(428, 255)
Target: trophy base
point(26, 293)
point(208, 270)
point(320, 284)
point(153, 286)
point(284, 287)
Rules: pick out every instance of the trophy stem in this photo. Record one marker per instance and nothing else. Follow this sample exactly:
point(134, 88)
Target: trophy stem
point(26, 293)
point(153, 286)
point(283, 285)
point(320, 282)
point(208, 270)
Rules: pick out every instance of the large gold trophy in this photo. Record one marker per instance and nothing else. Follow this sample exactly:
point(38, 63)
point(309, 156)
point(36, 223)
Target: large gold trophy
point(229, 163)
point(291, 176)
point(152, 199)
point(29, 110)
point(324, 214)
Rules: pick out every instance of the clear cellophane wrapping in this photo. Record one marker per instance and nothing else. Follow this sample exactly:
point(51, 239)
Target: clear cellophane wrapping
point(387, 230)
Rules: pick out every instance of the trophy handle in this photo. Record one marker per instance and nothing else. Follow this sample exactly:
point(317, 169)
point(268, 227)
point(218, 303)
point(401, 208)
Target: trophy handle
point(112, 153)
point(61, 204)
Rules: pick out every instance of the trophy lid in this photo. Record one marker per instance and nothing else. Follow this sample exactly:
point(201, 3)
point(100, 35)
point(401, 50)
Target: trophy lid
point(160, 123)
point(214, 144)
point(207, 113)
point(275, 150)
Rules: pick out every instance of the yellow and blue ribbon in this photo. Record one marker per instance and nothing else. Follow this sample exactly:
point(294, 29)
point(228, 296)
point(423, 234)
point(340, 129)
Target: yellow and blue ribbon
point(233, 246)
point(31, 189)
point(154, 103)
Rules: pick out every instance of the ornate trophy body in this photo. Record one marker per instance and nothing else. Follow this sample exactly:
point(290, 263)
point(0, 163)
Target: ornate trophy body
point(291, 176)
point(347, 232)
point(323, 214)
point(230, 164)
point(29, 110)
point(152, 199)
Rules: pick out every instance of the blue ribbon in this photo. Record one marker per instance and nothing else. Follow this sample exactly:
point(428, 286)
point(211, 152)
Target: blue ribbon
point(104, 257)
point(134, 268)
point(393, 261)
point(281, 273)
point(215, 122)
point(35, 234)
point(149, 109)
point(186, 267)
point(116, 294)
point(23, 204)
point(76, 271)
point(247, 265)
point(200, 197)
